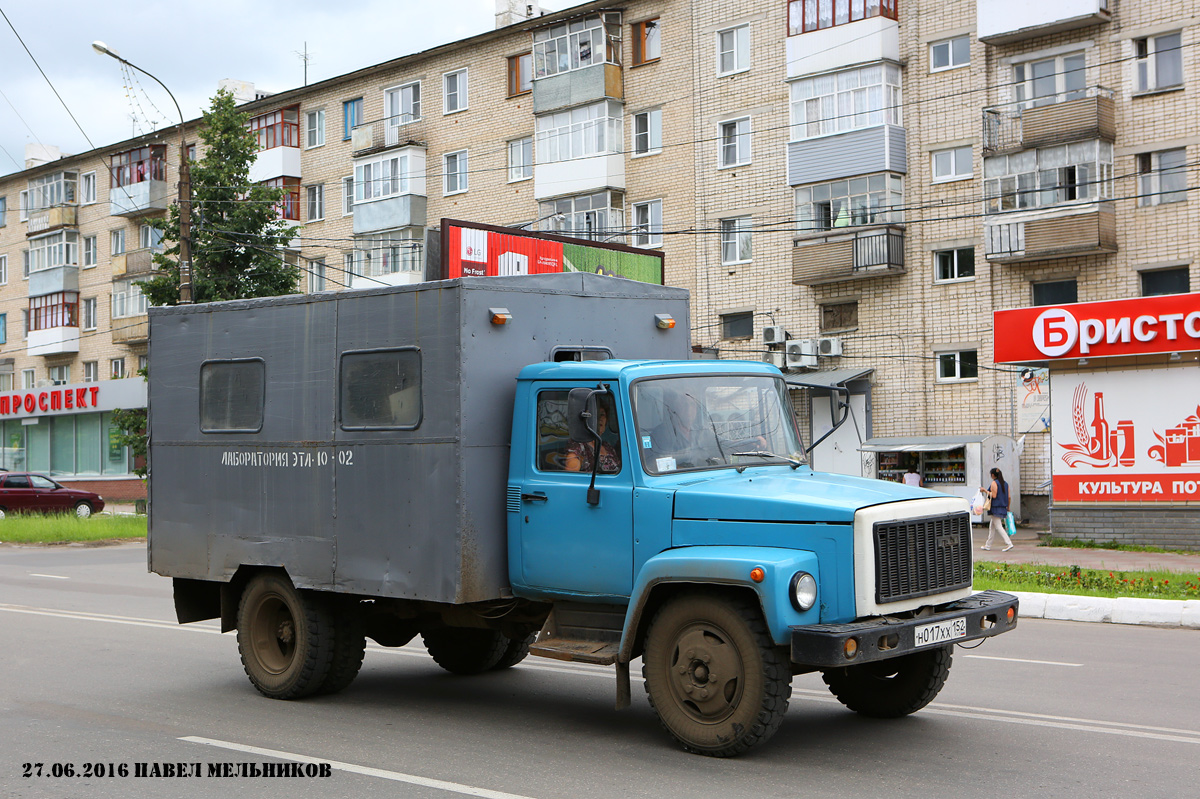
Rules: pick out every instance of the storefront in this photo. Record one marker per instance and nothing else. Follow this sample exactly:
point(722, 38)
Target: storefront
point(67, 432)
point(1124, 414)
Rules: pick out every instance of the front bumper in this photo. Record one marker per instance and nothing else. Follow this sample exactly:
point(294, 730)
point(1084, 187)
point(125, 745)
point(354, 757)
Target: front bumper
point(883, 637)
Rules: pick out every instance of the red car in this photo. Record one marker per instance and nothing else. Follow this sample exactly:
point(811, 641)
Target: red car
point(35, 493)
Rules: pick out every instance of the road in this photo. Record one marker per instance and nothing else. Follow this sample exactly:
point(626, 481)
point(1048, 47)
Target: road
point(93, 669)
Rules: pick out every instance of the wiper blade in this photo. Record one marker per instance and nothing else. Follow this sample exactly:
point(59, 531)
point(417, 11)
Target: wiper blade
point(758, 453)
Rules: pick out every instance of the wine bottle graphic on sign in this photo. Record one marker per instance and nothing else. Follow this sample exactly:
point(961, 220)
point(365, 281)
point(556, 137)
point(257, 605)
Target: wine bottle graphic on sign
point(1099, 445)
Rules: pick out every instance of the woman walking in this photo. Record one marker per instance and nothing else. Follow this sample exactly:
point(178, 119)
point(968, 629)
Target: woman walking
point(998, 491)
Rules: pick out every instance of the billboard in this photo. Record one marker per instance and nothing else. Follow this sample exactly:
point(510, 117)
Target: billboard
point(474, 250)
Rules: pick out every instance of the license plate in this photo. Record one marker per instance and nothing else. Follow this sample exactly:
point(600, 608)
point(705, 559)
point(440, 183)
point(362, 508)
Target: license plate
point(940, 632)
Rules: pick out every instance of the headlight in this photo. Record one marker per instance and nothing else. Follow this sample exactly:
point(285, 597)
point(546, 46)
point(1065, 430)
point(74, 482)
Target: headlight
point(804, 590)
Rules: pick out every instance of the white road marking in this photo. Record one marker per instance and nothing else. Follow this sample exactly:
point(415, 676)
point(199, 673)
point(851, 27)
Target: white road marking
point(109, 619)
point(1022, 660)
point(51, 576)
point(396, 776)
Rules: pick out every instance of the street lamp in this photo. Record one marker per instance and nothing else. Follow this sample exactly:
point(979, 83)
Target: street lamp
point(185, 186)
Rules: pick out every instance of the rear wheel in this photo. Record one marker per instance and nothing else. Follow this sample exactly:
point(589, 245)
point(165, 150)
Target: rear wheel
point(714, 676)
point(888, 689)
point(349, 646)
point(83, 509)
point(286, 638)
point(465, 650)
point(516, 651)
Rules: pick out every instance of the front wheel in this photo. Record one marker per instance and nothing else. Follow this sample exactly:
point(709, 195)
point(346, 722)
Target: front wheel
point(286, 638)
point(83, 509)
point(714, 676)
point(888, 689)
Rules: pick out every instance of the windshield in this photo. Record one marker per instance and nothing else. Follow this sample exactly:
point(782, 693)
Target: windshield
point(686, 423)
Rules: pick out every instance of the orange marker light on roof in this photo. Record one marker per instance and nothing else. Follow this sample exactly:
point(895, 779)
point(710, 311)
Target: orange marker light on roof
point(757, 574)
point(664, 321)
point(500, 316)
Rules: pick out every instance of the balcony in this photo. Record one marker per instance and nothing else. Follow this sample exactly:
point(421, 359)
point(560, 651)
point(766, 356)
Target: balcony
point(53, 280)
point(137, 199)
point(1009, 127)
point(385, 134)
point(131, 330)
point(860, 42)
point(1007, 21)
point(390, 185)
point(1057, 232)
point(52, 341)
point(578, 87)
point(44, 220)
point(848, 254)
point(134, 262)
point(881, 148)
point(278, 162)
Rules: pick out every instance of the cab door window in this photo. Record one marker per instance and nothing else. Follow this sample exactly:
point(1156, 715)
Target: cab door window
point(553, 447)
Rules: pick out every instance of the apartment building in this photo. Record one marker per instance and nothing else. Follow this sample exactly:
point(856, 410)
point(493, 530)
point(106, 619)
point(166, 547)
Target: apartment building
point(849, 188)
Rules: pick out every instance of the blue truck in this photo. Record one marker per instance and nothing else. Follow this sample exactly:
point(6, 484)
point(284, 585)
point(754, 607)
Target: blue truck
point(532, 465)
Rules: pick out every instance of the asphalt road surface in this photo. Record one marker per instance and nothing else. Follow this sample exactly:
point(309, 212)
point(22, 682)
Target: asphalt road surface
point(95, 675)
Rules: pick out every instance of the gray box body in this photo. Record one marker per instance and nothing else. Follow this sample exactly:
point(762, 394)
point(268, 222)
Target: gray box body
point(416, 514)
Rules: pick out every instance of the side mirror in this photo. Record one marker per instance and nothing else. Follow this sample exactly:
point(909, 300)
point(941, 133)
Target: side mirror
point(581, 414)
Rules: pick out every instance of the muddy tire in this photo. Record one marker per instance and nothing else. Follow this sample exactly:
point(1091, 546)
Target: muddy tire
point(516, 651)
point(349, 646)
point(465, 650)
point(714, 676)
point(892, 688)
point(286, 638)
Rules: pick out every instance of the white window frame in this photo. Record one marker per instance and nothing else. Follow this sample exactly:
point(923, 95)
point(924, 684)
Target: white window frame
point(23, 206)
point(116, 368)
point(316, 275)
point(128, 300)
point(402, 103)
point(87, 188)
point(596, 215)
point(1150, 57)
point(948, 47)
point(89, 252)
point(596, 35)
point(28, 376)
point(3, 211)
point(1070, 80)
point(737, 240)
point(869, 200)
point(580, 132)
point(116, 242)
point(1034, 178)
point(1152, 176)
point(314, 198)
point(460, 172)
point(461, 87)
point(520, 159)
point(851, 99)
point(647, 224)
point(91, 371)
point(59, 375)
point(87, 313)
point(734, 42)
point(734, 142)
point(957, 376)
point(314, 128)
point(953, 161)
point(57, 249)
point(647, 133)
point(953, 260)
point(348, 196)
point(25, 264)
point(3, 270)
point(149, 238)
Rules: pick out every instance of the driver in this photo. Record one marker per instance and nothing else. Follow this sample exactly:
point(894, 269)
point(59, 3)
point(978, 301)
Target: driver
point(680, 434)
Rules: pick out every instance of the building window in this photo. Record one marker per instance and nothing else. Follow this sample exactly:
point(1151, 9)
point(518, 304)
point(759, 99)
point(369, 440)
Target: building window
point(454, 91)
point(116, 242)
point(137, 166)
point(733, 50)
point(60, 375)
point(1055, 292)
point(954, 264)
point(957, 366)
point(951, 164)
point(351, 116)
point(348, 264)
point(116, 368)
point(854, 98)
point(24, 264)
point(735, 240)
point(839, 316)
point(402, 106)
point(1048, 176)
point(316, 275)
point(289, 205)
point(647, 224)
point(277, 129)
point(91, 371)
point(3, 270)
point(580, 132)
point(315, 197)
point(314, 128)
point(1166, 281)
point(870, 200)
point(647, 41)
point(738, 325)
point(598, 216)
point(1051, 80)
point(23, 206)
point(383, 177)
point(348, 196)
point(387, 253)
point(4, 340)
point(647, 132)
point(1159, 62)
point(51, 191)
point(87, 314)
point(150, 237)
point(734, 142)
point(28, 378)
point(805, 16)
point(57, 249)
point(60, 309)
point(128, 300)
point(950, 53)
point(87, 188)
point(454, 168)
point(520, 159)
point(1162, 177)
point(520, 74)
point(578, 44)
point(91, 254)
point(3, 211)
point(143, 364)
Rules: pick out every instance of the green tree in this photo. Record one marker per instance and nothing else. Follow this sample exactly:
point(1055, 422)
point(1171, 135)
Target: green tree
point(237, 234)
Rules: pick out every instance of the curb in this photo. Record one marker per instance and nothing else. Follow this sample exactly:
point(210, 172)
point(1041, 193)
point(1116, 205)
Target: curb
point(1119, 610)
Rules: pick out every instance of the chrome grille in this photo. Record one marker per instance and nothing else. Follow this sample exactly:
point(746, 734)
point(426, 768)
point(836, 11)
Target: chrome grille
point(919, 557)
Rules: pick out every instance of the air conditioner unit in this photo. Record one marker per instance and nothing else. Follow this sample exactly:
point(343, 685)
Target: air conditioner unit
point(775, 358)
point(774, 334)
point(829, 346)
point(802, 354)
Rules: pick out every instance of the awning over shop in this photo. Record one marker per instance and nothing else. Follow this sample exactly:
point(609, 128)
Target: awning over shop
point(918, 443)
point(826, 380)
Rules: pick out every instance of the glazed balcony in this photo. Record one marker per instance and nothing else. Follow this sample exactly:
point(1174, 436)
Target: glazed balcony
point(848, 254)
point(1010, 127)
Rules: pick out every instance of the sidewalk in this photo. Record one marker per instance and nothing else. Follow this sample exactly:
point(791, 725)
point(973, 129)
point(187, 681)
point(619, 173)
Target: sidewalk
point(1122, 610)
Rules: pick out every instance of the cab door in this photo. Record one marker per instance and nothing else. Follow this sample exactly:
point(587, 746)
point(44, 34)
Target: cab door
point(569, 547)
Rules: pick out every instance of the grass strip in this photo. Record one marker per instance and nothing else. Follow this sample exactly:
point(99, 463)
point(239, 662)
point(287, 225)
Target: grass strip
point(1086, 582)
point(1072, 543)
point(65, 528)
